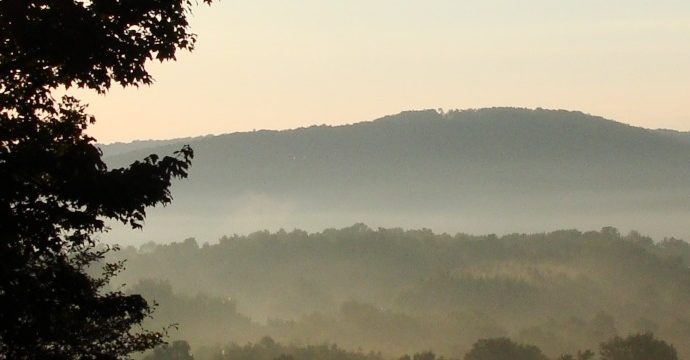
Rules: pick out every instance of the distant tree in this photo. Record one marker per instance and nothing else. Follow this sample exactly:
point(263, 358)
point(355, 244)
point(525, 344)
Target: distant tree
point(425, 355)
point(178, 350)
point(56, 193)
point(268, 349)
point(637, 347)
point(585, 355)
point(503, 349)
point(610, 232)
point(581, 355)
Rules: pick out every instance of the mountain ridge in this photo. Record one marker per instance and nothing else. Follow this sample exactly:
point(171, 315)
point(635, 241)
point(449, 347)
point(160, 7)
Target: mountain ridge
point(120, 147)
point(533, 169)
point(138, 143)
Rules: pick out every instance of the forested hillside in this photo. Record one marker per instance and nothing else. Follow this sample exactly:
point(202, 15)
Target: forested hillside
point(403, 291)
point(492, 170)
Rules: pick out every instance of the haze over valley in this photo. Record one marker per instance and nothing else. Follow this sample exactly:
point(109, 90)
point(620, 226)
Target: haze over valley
point(259, 246)
point(295, 190)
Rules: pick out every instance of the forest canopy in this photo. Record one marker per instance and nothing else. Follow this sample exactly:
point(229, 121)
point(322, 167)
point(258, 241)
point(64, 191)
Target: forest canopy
point(401, 291)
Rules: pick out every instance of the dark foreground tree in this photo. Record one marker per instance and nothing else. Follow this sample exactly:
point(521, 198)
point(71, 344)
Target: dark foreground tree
point(55, 190)
point(637, 347)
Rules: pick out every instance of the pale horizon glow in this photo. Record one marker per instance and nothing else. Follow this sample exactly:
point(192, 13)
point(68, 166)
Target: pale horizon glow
point(272, 64)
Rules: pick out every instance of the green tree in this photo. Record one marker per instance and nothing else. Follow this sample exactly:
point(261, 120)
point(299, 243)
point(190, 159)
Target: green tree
point(637, 347)
point(55, 191)
point(503, 349)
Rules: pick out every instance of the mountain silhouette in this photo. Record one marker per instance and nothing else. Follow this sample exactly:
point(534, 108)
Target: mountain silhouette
point(490, 170)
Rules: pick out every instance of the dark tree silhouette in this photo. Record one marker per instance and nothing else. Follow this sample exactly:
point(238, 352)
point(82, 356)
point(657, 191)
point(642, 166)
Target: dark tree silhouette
point(637, 347)
point(55, 190)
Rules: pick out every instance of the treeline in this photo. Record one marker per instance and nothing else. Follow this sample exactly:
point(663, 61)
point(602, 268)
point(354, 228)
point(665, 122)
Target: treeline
point(633, 347)
point(397, 291)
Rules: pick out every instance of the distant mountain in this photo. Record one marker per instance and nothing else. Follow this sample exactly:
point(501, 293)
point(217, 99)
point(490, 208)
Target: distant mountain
point(119, 148)
point(491, 170)
point(678, 135)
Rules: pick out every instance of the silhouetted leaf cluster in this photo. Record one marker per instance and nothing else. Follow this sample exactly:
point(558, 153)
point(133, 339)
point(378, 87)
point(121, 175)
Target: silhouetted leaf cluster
point(55, 191)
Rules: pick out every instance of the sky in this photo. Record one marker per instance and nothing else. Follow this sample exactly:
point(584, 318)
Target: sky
point(277, 64)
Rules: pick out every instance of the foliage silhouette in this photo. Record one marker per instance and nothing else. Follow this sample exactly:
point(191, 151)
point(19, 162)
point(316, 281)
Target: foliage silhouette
point(55, 191)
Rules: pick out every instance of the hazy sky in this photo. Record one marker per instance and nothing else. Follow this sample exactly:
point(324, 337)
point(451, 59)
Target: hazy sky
point(275, 64)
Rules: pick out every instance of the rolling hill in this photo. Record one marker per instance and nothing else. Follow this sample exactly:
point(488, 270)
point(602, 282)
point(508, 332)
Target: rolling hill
point(495, 170)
